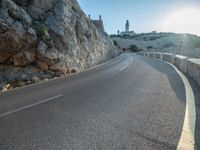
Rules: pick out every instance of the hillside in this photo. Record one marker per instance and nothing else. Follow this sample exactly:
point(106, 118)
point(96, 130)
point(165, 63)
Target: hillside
point(184, 44)
point(43, 39)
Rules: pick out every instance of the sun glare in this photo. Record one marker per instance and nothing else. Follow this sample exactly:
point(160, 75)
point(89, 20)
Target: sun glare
point(185, 20)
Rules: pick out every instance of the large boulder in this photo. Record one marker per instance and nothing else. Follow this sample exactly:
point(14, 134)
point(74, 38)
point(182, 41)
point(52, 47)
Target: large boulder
point(10, 38)
point(42, 65)
point(49, 56)
point(24, 58)
point(5, 55)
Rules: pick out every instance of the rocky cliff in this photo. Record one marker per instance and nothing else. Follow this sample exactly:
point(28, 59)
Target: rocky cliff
point(54, 36)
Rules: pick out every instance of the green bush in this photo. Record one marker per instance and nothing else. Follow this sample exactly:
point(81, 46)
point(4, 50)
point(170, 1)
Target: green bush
point(115, 43)
point(149, 47)
point(134, 48)
point(169, 44)
point(41, 29)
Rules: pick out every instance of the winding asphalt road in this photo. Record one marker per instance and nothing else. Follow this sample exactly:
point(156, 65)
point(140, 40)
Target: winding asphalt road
point(130, 103)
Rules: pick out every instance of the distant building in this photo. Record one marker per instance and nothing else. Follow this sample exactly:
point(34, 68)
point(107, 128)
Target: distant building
point(127, 32)
point(98, 23)
point(127, 26)
point(118, 32)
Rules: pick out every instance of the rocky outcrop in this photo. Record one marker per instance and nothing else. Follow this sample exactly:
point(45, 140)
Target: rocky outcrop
point(52, 35)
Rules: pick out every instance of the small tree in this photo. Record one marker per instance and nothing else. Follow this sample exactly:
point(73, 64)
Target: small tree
point(115, 43)
point(149, 47)
point(41, 29)
point(134, 48)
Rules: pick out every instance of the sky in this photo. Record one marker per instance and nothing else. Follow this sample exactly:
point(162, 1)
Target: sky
point(180, 16)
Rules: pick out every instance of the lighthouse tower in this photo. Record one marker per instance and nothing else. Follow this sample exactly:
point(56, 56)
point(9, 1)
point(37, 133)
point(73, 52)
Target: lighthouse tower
point(127, 26)
point(127, 32)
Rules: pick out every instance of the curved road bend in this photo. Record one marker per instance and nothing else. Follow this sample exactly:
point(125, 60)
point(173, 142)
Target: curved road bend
point(130, 103)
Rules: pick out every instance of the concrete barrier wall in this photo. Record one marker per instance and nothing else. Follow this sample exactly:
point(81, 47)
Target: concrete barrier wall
point(169, 58)
point(194, 69)
point(189, 66)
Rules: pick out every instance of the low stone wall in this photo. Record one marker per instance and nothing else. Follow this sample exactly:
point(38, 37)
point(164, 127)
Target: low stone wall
point(189, 66)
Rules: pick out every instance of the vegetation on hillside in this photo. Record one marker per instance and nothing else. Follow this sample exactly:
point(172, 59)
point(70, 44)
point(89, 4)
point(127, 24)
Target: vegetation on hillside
point(134, 48)
point(41, 29)
point(149, 47)
point(115, 43)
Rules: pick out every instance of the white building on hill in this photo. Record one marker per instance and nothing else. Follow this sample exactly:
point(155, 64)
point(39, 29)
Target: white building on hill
point(127, 32)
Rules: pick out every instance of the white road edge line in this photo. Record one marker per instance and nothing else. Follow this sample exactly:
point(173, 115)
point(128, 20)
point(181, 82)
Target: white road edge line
point(187, 139)
point(123, 67)
point(30, 106)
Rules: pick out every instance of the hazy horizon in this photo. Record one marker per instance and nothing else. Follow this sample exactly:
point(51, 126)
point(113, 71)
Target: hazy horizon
point(179, 16)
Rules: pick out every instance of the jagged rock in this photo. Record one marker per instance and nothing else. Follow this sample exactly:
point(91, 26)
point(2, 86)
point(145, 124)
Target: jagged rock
point(31, 36)
point(6, 87)
point(24, 58)
point(42, 47)
point(52, 54)
point(14, 35)
point(50, 57)
point(18, 84)
point(60, 73)
point(73, 70)
point(42, 65)
point(22, 2)
point(3, 27)
point(38, 8)
point(4, 56)
point(11, 40)
point(54, 34)
point(19, 27)
point(58, 66)
point(63, 26)
point(35, 79)
point(49, 43)
point(15, 11)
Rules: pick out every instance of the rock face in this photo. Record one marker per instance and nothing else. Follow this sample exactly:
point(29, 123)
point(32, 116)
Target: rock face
point(51, 35)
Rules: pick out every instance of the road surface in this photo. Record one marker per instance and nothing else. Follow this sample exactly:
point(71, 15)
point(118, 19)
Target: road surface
point(130, 103)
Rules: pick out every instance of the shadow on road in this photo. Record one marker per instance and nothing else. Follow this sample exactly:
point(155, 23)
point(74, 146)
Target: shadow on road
point(178, 87)
point(174, 79)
